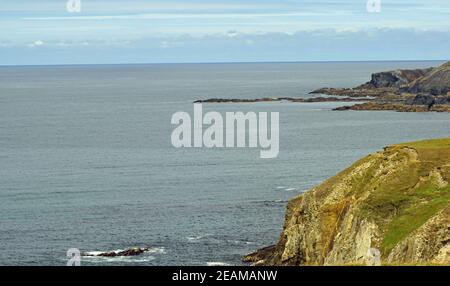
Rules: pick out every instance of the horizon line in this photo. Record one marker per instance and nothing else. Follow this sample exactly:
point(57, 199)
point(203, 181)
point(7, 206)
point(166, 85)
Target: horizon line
point(218, 62)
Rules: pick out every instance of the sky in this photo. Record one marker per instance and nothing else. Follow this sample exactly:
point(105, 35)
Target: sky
point(178, 31)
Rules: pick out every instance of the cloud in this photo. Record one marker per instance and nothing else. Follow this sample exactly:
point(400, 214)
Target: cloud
point(36, 43)
point(170, 44)
point(223, 30)
point(168, 16)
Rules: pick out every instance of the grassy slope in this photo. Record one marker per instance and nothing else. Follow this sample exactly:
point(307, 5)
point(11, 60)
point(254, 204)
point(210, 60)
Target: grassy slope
point(410, 196)
point(393, 189)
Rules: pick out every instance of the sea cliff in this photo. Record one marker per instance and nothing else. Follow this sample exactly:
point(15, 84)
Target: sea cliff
point(418, 90)
point(396, 201)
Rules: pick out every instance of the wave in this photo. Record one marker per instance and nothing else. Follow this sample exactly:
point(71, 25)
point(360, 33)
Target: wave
point(218, 240)
point(216, 263)
point(160, 250)
point(283, 188)
point(196, 238)
point(126, 259)
point(301, 189)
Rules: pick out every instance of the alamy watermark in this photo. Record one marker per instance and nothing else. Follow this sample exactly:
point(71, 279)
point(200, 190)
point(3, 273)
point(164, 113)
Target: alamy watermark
point(73, 6)
point(373, 6)
point(74, 257)
point(190, 133)
point(373, 257)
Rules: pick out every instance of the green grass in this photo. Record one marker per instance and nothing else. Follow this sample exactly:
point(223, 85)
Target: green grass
point(405, 200)
point(418, 208)
point(442, 143)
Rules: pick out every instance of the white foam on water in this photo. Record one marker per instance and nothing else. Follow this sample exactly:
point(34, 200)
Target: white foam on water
point(125, 259)
point(160, 250)
point(195, 238)
point(97, 252)
point(216, 263)
point(241, 242)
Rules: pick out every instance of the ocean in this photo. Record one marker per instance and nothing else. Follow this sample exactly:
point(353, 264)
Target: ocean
point(86, 159)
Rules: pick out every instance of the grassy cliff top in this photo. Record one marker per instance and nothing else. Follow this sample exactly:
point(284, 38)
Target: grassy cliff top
point(413, 192)
point(396, 200)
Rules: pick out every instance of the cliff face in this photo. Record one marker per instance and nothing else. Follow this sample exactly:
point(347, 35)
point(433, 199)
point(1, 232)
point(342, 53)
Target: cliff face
point(435, 82)
point(397, 201)
point(396, 78)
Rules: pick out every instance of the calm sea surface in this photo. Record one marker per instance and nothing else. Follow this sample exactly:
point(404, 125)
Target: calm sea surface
point(86, 159)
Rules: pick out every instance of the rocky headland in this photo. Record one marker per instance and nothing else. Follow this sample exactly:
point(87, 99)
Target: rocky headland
point(394, 203)
point(419, 90)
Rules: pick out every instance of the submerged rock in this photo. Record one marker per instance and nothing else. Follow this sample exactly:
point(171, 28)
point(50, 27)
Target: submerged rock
point(128, 252)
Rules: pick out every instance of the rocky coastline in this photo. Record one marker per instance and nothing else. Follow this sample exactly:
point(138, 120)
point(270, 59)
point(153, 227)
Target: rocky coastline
point(290, 99)
point(391, 208)
point(419, 90)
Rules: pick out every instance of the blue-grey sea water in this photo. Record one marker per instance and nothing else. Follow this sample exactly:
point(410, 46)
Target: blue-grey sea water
point(86, 159)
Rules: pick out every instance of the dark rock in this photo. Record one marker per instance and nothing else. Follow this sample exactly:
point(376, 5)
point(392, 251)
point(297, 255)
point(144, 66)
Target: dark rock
point(259, 255)
point(428, 100)
point(291, 99)
point(442, 100)
point(238, 100)
point(396, 107)
point(421, 99)
point(360, 92)
point(128, 252)
point(395, 79)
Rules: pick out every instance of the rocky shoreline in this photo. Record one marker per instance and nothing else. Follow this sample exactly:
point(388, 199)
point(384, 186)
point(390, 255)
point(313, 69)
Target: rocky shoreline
point(420, 90)
point(290, 99)
point(380, 106)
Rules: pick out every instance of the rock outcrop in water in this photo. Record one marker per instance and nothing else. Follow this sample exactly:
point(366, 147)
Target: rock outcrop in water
point(419, 90)
point(396, 201)
point(127, 252)
point(291, 99)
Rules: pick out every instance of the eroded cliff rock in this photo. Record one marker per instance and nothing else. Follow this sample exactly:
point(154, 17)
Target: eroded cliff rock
point(396, 201)
point(436, 82)
point(396, 78)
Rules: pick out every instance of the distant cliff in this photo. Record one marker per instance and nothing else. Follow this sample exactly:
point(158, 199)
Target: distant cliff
point(417, 90)
point(395, 79)
point(396, 201)
point(436, 81)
